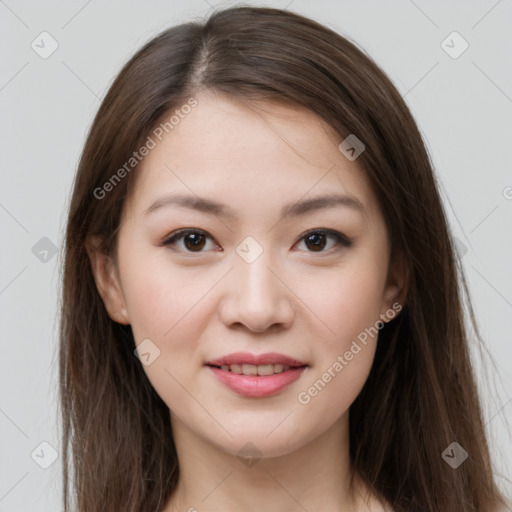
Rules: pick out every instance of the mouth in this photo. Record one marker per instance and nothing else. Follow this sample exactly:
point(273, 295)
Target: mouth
point(256, 376)
point(252, 369)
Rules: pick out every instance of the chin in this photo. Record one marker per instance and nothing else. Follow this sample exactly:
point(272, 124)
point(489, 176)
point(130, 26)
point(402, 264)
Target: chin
point(258, 440)
point(252, 448)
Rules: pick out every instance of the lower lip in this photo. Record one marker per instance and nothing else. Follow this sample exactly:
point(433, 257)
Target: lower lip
point(257, 386)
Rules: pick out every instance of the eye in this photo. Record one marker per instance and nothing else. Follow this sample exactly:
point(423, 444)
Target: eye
point(317, 239)
point(194, 240)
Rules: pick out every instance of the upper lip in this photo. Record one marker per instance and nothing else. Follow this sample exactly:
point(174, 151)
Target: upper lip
point(255, 359)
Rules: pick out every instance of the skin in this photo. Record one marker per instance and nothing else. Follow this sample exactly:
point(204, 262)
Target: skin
point(196, 306)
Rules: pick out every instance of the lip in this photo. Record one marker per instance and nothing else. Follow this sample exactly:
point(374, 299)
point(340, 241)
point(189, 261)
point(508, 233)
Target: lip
point(256, 359)
point(256, 386)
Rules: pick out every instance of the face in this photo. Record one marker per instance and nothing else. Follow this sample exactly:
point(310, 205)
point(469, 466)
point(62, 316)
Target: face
point(269, 272)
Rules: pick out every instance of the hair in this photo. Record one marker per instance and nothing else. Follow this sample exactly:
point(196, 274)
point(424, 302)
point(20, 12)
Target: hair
point(421, 393)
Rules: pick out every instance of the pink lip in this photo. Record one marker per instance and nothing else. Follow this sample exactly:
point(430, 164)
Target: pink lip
point(248, 358)
point(257, 386)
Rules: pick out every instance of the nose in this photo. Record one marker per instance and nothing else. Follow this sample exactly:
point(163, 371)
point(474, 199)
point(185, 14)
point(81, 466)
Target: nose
point(256, 296)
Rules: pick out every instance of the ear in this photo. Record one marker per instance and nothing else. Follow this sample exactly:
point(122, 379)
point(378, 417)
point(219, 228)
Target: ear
point(107, 281)
point(395, 292)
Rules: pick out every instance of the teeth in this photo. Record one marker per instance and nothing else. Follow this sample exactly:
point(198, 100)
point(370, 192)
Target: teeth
point(236, 368)
point(251, 369)
point(265, 369)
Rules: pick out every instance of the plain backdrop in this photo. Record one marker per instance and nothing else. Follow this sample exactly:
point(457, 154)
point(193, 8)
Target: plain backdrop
point(462, 101)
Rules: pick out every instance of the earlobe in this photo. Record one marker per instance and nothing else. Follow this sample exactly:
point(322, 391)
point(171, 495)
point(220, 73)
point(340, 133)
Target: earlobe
point(107, 282)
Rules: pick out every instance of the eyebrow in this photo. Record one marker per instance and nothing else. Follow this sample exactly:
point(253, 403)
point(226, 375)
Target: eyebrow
point(294, 209)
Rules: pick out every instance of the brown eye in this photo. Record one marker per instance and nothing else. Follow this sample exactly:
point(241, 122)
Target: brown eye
point(193, 240)
point(316, 241)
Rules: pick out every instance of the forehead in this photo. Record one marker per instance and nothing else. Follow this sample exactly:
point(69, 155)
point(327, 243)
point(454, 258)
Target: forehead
point(248, 154)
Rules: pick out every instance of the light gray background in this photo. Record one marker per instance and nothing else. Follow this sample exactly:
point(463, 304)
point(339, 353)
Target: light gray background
point(463, 107)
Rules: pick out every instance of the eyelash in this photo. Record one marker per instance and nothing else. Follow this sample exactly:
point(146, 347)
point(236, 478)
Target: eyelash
point(341, 240)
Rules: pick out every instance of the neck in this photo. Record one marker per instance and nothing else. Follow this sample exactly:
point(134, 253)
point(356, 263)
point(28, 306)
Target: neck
point(316, 476)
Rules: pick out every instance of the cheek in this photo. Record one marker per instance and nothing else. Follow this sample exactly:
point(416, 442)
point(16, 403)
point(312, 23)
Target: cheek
point(344, 360)
point(170, 306)
point(331, 389)
point(160, 298)
point(346, 300)
point(154, 306)
point(348, 304)
point(165, 306)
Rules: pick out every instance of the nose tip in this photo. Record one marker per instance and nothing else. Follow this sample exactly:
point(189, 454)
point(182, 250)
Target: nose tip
point(256, 298)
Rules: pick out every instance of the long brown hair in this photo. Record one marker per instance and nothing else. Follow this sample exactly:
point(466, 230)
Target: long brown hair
point(421, 393)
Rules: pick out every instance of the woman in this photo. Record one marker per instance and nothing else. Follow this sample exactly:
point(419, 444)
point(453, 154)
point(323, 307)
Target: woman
point(261, 305)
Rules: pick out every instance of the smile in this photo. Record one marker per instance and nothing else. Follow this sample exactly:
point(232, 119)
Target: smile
point(256, 376)
point(251, 369)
